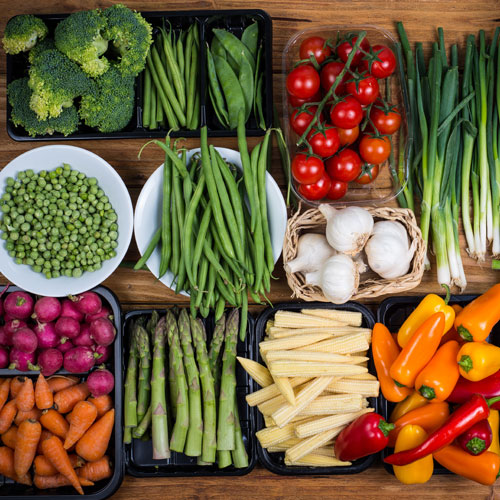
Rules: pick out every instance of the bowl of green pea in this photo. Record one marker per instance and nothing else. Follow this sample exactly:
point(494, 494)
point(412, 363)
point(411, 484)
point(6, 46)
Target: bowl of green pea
point(66, 220)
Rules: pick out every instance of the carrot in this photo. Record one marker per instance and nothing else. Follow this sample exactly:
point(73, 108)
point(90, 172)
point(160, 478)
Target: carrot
point(7, 462)
point(69, 416)
point(56, 481)
point(94, 443)
point(54, 422)
point(28, 435)
point(45, 435)
point(66, 399)
point(21, 416)
point(43, 466)
point(26, 396)
point(9, 437)
point(95, 471)
point(44, 398)
point(7, 415)
point(58, 382)
point(4, 391)
point(82, 417)
point(15, 386)
point(25, 479)
point(54, 451)
point(102, 403)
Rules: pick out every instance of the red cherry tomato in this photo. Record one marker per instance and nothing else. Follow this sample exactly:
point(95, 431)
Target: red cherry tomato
point(386, 120)
point(385, 64)
point(316, 46)
point(329, 74)
point(299, 121)
point(374, 149)
point(346, 113)
point(368, 174)
point(317, 190)
point(295, 102)
point(303, 81)
point(345, 48)
point(348, 135)
point(337, 190)
point(365, 91)
point(324, 142)
point(344, 166)
point(307, 169)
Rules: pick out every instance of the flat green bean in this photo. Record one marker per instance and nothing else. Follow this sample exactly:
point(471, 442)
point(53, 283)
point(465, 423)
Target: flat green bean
point(245, 77)
point(218, 49)
point(166, 227)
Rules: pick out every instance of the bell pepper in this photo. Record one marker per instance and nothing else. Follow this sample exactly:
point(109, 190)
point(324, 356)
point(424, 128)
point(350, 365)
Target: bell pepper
point(482, 468)
point(413, 401)
point(478, 318)
point(438, 378)
point(464, 417)
point(477, 439)
point(493, 419)
point(452, 333)
point(428, 306)
point(489, 387)
point(478, 360)
point(385, 351)
point(419, 471)
point(430, 417)
point(418, 351)
point(365, 436)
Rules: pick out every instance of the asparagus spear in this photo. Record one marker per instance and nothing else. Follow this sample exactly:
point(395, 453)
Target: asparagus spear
point(213, 355)
point(172, 378)
point(207, 385)
point(181, 426)
point(130, 395)
point(158, 398)
point(224, 459)
point(239, 454)
point(144, 424)
point(144, 386)
point(195, 431)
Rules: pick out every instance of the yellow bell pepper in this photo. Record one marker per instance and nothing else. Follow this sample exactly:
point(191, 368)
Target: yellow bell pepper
point(413, 401)
point(494, 421)
point(419, 471)
point(478, 360)
point(429, 305)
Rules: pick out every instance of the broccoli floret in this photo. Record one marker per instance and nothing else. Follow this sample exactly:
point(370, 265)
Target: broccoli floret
point(55, 81)
point(22, 32)
point(79, 37)
point(19, 94)
point(131, 36)
point(45, 44)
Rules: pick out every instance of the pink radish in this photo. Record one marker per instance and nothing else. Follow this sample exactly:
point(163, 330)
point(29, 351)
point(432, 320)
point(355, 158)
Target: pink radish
point(19, 360)
point(84, 337)
point(105, 312)
point(100, 382)
point(47, 336)
point(102, 331)
point(79, 359)
point(4, 358)
point(65, 345)
point(67, 327)
point(47, 309)
point(104, 352)
point(69, 310)
point(87, 302)
point(49, 361)
point(25, 340)
point(19, 305)
point(14, 324)
point(5, 338)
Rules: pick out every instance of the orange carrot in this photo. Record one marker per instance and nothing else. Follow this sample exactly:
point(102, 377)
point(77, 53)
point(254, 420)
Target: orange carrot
point(95, 471)
point(45, 435)
point(43, 466)
point(28, 435)
point(54, 451)
point(58, 382)
point(82, 417)
point(66, 399)
point(26, 396)
point(4, 391)
point(94, 443)
point(68, 416)
point(102, 403)
point(9, 437)
point(56, 481)
point(54, 422)
point(7, 415)
point(7, 462)
point(44, 398)
point(21, 416)
point(25, 479)
point(15, 386)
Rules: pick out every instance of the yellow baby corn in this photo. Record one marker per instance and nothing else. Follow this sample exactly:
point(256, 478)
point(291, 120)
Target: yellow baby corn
point(257, 371)
point(306, 446)
point(288, 319)
point(313, 369)
point(313, 460)
point(351, 318)
point(281, 447)
point(346, 344)
point(283, 384)
point(367, 388)
point(334, 404)
point(334, 331)
point(292, 342)
point(363, 376)
point(271, 436)
point(271, 391)
point(323, 357)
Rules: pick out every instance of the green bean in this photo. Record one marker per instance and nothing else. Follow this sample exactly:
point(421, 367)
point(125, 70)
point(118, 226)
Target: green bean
point(215, 91)
point(213, 260)
point(266, 279)
point(200, 238)
point(195, 121)
point(257, 95)
point(243, 315)
point(238, 295)
point(179, 47)
point(245, 78)
point(225, 291)
point(187, 54)
point(173, 69)
point(166, 228)
point(258, 233)
point(146, 98)
point(159, 111)
point(261, 182)
point(250, 38)
point(220, 304)
point(193, 78)
point(234, 47)
point(152, 109)
point(208, 300)
point(176, 237)
point(260, 111)
point(202, 281)
point(220, 117)
point(178, 163)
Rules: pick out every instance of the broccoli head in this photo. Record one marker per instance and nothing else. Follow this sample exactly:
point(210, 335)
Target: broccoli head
point(43, 45)
point(55, 81)
point(19, 94)
point(110, 105)
point(79, 37)
point(131, 36)
point(22, 32)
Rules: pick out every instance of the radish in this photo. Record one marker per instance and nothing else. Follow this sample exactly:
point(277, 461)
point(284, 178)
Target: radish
point(67, 327)
point(47, 309)
point(79, 359)
point(84, 337)
point(49, 361)
point(5, 338)
point(19, 305)
point(13, 325)
point(104, 352)
point(47, 336)
point(65, 345)
point(87, 302)
point(100, 382)
point(69, 310)
point(4, 358)
point(19, 360)
point(25, 340)
point(102, 331)
point(105, 312)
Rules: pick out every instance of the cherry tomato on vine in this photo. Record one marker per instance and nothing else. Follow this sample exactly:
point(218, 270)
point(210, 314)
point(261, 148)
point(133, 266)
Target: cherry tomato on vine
point(300, 120)
point(374, 149)
point(317, 190)
point(365, 90)
point(315, 45)
point(307, 169)
point(346, 113)
point(296, 102)
point(337, 190)
point(386, 121)
point(385, 64)
point(303, 81)
point(324, 142)
point(344, 166)
point(348, 135)
point(329, 75)
point(368, 174)
point(345, 48)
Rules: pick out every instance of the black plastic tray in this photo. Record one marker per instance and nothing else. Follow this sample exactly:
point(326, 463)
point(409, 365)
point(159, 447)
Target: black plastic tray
point(233, 20)
point(139, 454)
point(275, 461)
point(105, 488)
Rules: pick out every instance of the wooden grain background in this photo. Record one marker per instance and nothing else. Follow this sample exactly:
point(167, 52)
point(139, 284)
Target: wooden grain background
point(141, 290)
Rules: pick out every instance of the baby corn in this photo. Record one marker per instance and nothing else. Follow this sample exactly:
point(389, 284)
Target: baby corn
point(257, 371)
point(316, 460)
point(352, 318)
point(367, 388)
point(324, 357)
point(314, 369)
point(306, 446)
point(287, 319)
point(346, 344)
point(271, 391)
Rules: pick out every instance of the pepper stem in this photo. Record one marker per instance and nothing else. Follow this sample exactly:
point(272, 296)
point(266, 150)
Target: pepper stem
point(448, 293)
point(385, 427)
point(427, 392)
point(464, 333)
point(492, 401)
point(398, 384)
point(466, 363)
point(476, 445)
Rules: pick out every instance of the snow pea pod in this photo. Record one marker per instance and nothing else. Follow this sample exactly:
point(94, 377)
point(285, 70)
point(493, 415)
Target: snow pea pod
point(215, 91)
point(245, 78)
point(235, 47)
point(250, 38)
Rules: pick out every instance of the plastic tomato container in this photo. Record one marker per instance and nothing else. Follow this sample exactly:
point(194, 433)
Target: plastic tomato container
point(387, 185)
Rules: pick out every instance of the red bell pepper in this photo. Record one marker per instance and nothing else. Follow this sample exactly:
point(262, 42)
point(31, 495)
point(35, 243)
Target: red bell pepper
point(489, 387)
point(462, 419)
point(477, 439)
point(366, 435)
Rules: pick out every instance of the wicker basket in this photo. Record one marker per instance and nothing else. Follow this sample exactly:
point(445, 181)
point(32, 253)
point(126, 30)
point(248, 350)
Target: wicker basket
point(370, 285)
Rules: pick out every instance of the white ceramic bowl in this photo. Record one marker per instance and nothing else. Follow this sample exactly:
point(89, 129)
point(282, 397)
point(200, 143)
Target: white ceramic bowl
point(49, 158)
point(147, 217)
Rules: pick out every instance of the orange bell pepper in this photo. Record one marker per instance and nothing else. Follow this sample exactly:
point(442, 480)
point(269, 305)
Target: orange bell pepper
point(385, 351)
point(412, 402)
point(478, 360)
point(480, 316)
point(439, 377)
point(430, 417)
point(452, 334)
point(481, 468)
point(494, 420)
point(418, 351)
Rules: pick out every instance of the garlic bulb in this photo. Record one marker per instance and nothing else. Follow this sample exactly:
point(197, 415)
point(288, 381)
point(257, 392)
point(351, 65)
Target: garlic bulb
point(388, 252)
point(348, 229)
point(312, 251)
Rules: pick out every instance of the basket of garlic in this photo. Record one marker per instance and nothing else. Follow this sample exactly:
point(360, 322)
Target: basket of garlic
point(336, 255)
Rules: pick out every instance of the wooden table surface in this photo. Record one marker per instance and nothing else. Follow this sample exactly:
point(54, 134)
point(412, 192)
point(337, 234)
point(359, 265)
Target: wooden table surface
point(141, 290)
